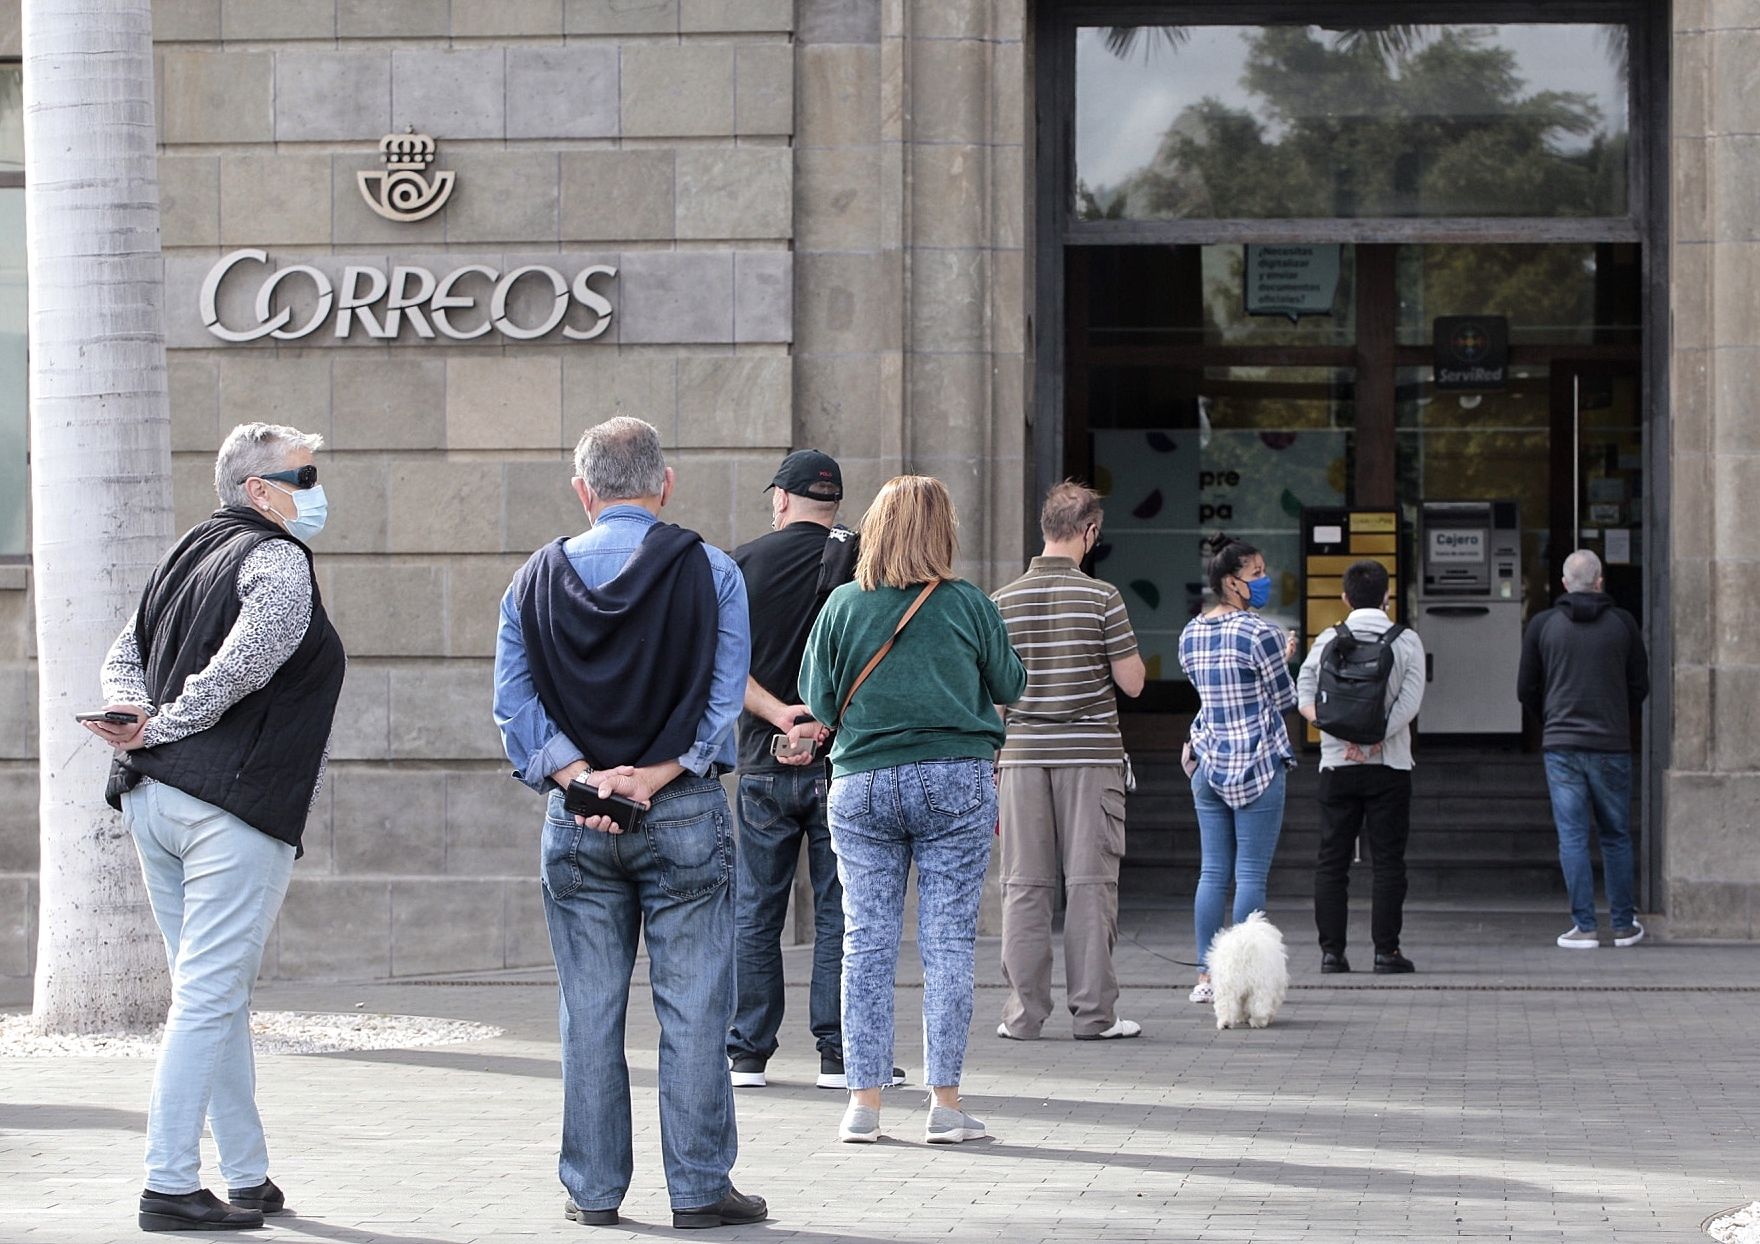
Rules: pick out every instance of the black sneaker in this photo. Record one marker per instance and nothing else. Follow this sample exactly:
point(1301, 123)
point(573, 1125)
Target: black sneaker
point(831, 1075)
point(194, 1211)
point(747, 1071)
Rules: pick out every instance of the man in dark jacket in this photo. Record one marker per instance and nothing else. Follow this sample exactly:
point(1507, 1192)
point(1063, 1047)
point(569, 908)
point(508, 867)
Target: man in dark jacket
point(1585, 675)
point(220, 694)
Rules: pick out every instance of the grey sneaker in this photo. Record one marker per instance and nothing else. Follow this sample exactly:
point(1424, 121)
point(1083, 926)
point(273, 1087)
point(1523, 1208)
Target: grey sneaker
point(1629, 936)
point(860, 1126)
point(948, 1126)
point(1574, 938)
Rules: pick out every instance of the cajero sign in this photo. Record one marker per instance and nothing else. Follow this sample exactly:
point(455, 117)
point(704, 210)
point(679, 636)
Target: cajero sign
point(381, 302)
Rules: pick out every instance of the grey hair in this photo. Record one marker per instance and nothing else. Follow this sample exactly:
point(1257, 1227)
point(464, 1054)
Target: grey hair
point(1581, 569)
point(255, 449)
point(620, 459)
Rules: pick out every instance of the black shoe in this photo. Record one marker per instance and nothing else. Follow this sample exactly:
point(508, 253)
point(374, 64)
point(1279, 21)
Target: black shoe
point(831, 1073)
point(746, 1071)
point(265, 1197)
point(1331, 962)
point(589, 1217)
point(733, 1210)
point(1392, 961)
point(200, 1210)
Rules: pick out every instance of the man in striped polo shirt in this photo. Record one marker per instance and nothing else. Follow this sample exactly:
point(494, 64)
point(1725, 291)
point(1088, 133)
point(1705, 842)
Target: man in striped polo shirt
point(1061, 783)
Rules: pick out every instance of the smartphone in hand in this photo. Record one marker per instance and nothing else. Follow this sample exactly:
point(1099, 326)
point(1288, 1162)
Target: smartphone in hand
point(110, 718)
point(582, 799)
point(784, 748)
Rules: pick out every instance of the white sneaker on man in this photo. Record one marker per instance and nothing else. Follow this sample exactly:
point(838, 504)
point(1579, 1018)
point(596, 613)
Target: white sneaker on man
point(1629, 936)
point(1574, 938)
point(1121, 1029)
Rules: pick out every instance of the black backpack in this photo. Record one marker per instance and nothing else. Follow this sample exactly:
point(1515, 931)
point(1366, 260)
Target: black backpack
point(1352, 700)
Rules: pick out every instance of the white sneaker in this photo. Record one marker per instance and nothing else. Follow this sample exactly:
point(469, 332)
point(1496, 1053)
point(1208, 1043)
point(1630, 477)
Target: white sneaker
point(1203, 991)
point(948, 1126)
point(1121, 1029)
point(1629, 937)
point(1003, 1032)
point(860, 1126)
point(1574, 938)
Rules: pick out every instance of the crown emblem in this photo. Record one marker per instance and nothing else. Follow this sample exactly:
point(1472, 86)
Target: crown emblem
point(404, 191)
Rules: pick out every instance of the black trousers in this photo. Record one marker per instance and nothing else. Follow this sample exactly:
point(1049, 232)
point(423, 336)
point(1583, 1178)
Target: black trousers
point(1375, 801)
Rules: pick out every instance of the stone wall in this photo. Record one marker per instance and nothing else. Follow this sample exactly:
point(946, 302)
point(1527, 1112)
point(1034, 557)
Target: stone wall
point(819, 220)
point(1712, 788)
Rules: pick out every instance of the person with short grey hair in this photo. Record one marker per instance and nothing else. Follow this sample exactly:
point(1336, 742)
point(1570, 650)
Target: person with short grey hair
point(1585, 674)
point(219, 696)
point(620, 669)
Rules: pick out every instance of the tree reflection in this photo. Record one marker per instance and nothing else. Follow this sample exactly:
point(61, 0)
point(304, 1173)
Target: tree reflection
point(1387, 121)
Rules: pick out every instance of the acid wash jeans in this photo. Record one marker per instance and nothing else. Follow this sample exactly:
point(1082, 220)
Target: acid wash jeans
point(216, 885)
point(667, 878)
point(941, 816)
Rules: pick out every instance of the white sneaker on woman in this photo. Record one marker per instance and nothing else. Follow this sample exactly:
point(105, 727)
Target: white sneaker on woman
point(1203, 992)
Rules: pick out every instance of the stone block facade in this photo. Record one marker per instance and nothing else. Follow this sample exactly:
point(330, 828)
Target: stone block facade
point(799, 262)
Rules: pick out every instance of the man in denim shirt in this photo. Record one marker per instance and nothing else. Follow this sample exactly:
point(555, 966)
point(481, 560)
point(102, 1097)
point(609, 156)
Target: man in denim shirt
point(605, 669)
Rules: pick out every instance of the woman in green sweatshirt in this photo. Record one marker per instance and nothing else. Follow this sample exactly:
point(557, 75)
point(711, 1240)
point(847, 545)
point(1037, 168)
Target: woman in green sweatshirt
point(912, 781)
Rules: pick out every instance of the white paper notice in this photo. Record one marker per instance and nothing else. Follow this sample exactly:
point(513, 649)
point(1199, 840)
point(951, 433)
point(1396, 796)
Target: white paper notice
point(1329, 535)
point(1618, 546)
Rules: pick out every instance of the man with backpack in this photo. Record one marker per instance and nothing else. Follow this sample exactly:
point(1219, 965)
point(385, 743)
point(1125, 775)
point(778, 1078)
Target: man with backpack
point(1361, 686)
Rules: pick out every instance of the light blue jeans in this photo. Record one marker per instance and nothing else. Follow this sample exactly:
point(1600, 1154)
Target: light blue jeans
point(216, 885)
point(1600, 782)
point(1237, 845)
point(668, 879)
point(941, 816)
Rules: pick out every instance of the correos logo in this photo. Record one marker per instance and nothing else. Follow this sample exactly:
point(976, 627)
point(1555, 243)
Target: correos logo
point(382, 302)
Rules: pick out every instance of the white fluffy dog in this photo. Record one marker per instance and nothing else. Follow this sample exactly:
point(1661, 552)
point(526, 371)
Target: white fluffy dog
point(1249, 970)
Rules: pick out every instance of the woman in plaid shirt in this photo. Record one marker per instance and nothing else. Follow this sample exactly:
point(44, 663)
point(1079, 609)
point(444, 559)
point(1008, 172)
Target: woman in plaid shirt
point(1239, 748)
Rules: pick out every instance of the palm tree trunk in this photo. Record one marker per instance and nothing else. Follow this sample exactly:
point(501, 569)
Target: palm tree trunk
point(100, 477)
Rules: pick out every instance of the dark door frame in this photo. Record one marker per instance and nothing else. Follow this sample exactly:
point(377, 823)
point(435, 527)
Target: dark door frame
point(1646, 223)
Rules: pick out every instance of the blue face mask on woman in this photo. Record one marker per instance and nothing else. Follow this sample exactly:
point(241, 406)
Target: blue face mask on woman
point(310, 506)
point(1259, 592)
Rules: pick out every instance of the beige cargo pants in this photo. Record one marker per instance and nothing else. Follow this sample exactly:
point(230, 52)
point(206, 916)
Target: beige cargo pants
point(1060, 823)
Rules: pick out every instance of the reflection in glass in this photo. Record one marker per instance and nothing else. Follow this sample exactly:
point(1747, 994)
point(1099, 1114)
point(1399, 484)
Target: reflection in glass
point(1481, 447)
point(1183, 452)
point(1194, 295)
point(1269, 122)
point(12, 373)
point(1551, 294)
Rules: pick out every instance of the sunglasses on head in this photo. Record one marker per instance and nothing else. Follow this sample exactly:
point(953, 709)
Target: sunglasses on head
point(304, 477)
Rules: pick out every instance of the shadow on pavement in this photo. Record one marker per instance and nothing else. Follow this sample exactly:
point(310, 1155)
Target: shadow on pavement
point(58, 1117)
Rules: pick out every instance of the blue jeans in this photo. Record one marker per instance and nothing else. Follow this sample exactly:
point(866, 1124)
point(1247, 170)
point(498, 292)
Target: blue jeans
point(940, 815)
point(1600, 781)
point(216, 885)
point(669, 879)
point(777, 810)
point(1237, 844)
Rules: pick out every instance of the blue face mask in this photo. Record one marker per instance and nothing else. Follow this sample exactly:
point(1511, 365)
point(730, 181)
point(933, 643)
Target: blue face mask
point(1259, 591)
point(311, 507)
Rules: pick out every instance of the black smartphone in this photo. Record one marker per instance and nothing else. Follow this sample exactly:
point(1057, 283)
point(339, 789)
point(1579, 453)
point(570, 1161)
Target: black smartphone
point(582, 799)
point(114, 719)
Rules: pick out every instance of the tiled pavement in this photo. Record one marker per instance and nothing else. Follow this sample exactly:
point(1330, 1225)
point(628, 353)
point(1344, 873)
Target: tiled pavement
point(1510, 1091)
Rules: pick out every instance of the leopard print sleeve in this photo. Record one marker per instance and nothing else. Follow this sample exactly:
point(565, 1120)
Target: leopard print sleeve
point(275, 607)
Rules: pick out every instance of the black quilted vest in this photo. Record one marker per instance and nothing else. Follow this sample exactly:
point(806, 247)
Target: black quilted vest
point(260, 761)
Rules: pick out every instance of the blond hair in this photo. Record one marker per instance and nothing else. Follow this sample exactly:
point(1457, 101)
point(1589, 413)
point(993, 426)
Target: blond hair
point(910, 534)
point(1068, 511)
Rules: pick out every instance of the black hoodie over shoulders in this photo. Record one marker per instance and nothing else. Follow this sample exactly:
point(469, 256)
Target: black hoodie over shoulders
point(1584, 673)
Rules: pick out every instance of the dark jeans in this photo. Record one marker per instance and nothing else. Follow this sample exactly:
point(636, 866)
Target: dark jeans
point(777, 810)
point(667, 879)
point(1599, 782)
point(1375, 801)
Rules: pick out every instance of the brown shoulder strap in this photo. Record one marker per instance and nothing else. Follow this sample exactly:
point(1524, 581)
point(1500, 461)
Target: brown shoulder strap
point(886, 647)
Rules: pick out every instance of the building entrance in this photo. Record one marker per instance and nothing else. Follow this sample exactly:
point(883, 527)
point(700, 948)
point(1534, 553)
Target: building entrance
point(1341, 266)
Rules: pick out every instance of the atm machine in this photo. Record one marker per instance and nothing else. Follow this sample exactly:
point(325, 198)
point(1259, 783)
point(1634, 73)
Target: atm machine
point(1469, 615)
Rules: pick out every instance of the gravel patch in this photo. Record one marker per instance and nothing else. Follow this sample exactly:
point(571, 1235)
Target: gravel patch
point(272, 1032)
point(1738, 1226)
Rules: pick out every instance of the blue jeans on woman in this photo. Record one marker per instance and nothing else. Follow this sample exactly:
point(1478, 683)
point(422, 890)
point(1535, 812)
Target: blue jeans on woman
point(216, 885)
point(668, 879)
point(1238, 844)
point(778, 810)
point(1582, 781)
point(941, 816)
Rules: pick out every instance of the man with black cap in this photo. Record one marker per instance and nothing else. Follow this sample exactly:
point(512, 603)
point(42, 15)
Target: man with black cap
point(782, 770)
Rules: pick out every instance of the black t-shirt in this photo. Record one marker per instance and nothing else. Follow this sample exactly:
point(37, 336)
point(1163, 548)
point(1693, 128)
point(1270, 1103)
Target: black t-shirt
point(782, 572)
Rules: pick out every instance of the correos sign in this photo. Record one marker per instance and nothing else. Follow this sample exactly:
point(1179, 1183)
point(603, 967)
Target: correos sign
point(382, 302)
